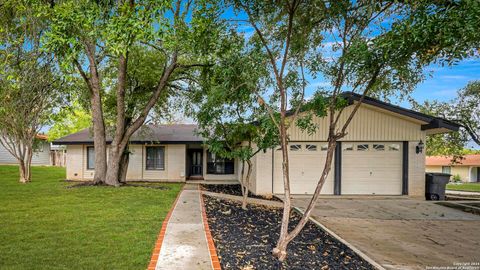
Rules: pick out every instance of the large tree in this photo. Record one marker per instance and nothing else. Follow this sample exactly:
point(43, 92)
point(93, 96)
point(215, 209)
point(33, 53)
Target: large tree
point(167, 41)
point(29, 83)
point(367, 47)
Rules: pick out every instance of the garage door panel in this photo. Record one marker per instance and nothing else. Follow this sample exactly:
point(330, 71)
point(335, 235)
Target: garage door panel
point(305, 170)
point(372, 171)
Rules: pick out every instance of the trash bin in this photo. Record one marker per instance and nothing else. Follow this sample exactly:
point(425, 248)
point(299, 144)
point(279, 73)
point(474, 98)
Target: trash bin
point(435, 184)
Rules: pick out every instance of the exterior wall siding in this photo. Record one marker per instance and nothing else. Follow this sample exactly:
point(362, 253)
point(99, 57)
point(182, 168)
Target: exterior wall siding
point(74, 162)
point(40, 157)
point(416, 170)
point(369, 124)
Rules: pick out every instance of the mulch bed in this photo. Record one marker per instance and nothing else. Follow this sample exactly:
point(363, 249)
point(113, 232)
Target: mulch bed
point(244, 239)
point(235, 189)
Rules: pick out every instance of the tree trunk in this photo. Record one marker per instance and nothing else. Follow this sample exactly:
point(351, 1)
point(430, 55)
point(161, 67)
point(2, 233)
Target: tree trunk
point(122, 178)
point(283, 242)
point(246, 184)
point(114, 163)
point(23, 172)
point(99, 140)
point(280, 251)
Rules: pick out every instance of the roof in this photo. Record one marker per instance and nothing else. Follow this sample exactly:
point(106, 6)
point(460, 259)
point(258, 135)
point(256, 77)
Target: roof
point(41, 137)
point(467, 160)
point(178, 133)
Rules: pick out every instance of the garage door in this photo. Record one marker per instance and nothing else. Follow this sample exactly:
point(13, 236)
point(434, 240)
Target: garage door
point(372, 168)
point(306, 165)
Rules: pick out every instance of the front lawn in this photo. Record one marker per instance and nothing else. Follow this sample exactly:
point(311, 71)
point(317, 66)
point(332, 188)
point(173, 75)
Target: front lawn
point(44, 225)
point(464, 187)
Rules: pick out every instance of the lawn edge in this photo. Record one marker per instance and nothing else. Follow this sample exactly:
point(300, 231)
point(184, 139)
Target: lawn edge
point(343, 241)
point(161, 235)
point(211, 244)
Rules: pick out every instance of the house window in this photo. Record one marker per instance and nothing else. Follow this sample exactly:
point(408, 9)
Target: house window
point(379, 147)
point(218, 165)
point(324, 147)
point(155, 158)
point(295, 147)
point(311, 147)
point(446, 169)
point(362, 147)
point(394, 147)
point(348, 147)
point(90, 158)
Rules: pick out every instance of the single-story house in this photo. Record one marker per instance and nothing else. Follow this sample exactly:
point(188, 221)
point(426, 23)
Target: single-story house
point(467, 167)
point(41, 155)
point(381, 155)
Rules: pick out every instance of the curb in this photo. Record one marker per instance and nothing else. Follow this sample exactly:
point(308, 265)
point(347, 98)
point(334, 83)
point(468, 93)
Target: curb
point(208, 235)
point(343, 241)
point(158, 244)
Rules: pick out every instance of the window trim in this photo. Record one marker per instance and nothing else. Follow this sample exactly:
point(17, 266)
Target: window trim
point(380, 147)
point(449, 169)
point(164, 157)
point(361, 147)
point(311, 147)
point(394, 147)
point(295, 147)
point(347, 146)
point(88, 157)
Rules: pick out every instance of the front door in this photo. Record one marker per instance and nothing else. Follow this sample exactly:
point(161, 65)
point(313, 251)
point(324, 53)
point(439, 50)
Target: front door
point(196, 167)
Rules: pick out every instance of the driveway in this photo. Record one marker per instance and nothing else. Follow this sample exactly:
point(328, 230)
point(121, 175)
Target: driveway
point(402, 233)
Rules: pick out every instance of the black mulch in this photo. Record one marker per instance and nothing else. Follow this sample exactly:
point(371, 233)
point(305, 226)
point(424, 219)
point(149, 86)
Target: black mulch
point(244, 239)
point(236, 190)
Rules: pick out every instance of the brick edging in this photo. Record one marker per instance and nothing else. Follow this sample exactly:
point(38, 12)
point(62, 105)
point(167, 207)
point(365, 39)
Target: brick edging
point(158, 244)
point(208, 235)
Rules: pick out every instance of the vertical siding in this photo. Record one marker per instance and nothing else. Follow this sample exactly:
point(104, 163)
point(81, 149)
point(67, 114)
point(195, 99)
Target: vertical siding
point(40, 157)
point(74, 162)
point(369, 124)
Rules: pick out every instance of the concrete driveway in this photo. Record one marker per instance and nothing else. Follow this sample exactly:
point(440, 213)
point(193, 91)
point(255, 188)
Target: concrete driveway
point(402, 233)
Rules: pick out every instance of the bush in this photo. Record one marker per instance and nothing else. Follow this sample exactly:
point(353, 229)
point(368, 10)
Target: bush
point(457, 178)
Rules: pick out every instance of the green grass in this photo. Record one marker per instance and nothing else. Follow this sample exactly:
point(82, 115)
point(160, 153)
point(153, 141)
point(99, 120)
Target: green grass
point(44, 225)
point(464, 187)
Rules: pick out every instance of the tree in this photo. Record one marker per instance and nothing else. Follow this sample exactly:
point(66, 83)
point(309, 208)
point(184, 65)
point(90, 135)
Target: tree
point(377, 48)
point(29, 85)
point(224, 106)
point(68, 120)
point(465, 111)
point(180, 36)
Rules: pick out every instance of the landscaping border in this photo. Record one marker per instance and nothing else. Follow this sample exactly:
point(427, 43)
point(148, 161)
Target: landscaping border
point(208, 235)
point(343, 241)
point(161, 235)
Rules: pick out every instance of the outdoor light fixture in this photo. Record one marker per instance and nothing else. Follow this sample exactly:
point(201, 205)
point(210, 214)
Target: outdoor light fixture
point(419, 148)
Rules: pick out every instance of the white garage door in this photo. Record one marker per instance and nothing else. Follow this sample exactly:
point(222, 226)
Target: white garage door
point(372, 168)
point(306, 165)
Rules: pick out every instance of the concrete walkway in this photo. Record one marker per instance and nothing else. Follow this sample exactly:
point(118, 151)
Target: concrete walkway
point(185, 244)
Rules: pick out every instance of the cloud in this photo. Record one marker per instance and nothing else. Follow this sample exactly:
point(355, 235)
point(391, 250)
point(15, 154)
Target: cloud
point(453, 77)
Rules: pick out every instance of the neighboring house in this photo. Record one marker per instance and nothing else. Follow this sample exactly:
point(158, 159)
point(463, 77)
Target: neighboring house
point(468, 167)
point(381, 155)
point(41, 155)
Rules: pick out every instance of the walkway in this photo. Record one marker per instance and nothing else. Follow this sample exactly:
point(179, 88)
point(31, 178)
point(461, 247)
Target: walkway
point(185, 245)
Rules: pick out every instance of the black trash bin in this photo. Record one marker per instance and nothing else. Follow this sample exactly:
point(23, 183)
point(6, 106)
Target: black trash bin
point(435, 184)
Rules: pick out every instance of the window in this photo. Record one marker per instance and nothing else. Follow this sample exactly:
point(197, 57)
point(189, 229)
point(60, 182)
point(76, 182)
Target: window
point(362, 147)
point(446, 169)
point(90, 158)
point(394, 147)
point(311, 147)
point(217, 165)
point(379, 147)
point(348, 147)
point(324, 147)
point(155, 158)
point(295, 147)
